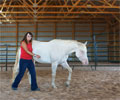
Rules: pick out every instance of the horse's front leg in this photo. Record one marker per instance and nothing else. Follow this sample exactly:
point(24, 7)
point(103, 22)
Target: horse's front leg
point(65, 65)
point(29, 77)
point(54, 68)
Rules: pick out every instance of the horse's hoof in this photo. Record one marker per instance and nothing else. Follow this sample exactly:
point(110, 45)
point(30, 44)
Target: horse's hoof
point(66, 84)
point(54, 87)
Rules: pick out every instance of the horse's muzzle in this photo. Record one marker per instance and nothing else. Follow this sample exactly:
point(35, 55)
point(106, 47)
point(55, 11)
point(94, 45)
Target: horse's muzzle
point(85, 62)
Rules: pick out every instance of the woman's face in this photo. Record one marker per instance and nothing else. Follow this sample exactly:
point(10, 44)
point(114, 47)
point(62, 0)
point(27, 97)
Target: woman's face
point(29, 37)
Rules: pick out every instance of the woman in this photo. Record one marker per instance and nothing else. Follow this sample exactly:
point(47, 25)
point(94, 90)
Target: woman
point(26, 62)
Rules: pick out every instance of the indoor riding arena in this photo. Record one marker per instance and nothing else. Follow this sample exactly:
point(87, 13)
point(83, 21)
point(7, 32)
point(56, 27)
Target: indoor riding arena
point(94, 21)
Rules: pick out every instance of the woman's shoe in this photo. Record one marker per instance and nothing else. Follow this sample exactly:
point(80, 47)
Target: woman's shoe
point(13, 88)
point(38, 89)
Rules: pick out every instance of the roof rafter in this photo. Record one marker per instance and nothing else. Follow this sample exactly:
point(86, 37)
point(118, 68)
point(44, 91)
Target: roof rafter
point(112, 13)
point(60, 9)
point(55, 12)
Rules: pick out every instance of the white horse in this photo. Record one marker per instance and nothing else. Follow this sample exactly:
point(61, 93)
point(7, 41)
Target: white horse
point(56, 52)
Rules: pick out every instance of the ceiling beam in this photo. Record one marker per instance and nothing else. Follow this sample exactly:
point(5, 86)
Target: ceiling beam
point(59, 6)
point(47, 17)
point(118, 19)
point(77, 12)
point(56, 21)
point(30, 2)
point(26, 8)
point(2, 6)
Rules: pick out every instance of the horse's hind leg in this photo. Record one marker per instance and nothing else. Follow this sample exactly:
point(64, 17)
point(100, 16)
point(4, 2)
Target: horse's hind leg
point(16, 65)
point(65, 65)
point(15, 71)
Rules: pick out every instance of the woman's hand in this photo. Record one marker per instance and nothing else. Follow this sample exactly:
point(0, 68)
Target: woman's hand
point(37, 56)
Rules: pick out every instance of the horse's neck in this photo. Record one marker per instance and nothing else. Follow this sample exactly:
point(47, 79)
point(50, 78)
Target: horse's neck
point(73, 47)
point(68, 46)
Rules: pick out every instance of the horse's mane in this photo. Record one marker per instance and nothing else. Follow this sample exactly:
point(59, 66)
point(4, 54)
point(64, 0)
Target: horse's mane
point(64, 40)
point(69, 41)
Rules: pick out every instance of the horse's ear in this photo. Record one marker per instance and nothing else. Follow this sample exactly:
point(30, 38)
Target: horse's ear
point(85, 43)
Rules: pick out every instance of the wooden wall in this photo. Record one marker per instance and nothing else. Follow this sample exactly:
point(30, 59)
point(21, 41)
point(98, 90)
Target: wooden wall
point(114, 43)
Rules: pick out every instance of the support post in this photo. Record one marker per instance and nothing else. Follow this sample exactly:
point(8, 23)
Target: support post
point(17, 36)
point(36, 28)
point(73, 31)
point(6, 56)
point(55, 30)
point(95, 51)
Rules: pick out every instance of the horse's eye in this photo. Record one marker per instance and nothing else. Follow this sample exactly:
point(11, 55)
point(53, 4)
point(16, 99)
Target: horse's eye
point(82, 52)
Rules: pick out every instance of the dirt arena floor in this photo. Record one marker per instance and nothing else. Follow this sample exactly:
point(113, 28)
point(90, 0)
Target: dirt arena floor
point(85, 85)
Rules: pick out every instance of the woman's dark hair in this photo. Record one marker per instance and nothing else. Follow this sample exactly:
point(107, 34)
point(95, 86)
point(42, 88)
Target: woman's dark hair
point(25, 37)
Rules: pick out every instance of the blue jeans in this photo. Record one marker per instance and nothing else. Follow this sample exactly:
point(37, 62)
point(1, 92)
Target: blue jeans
point(22, 68)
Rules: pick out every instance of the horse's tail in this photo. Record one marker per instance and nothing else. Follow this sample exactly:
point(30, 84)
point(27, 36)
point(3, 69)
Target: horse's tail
point(16, 65)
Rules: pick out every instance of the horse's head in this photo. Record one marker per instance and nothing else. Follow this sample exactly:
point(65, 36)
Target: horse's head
point(81, 53)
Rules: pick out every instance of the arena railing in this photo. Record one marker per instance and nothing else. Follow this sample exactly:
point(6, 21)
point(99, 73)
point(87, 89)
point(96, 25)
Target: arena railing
point(6, 57)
